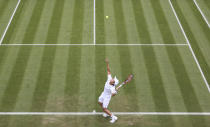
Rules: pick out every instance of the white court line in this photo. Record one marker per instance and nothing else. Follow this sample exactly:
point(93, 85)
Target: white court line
point(100, 113)
point(94, 22)
point(204, 17)
point(5, 31)
point(190, 47)
point(94, 44)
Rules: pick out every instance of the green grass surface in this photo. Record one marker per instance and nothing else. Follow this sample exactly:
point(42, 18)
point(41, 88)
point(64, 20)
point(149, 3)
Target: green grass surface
point(71, 78)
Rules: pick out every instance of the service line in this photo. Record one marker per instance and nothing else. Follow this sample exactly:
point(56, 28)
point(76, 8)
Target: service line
point(100, 113)
point(43, 44)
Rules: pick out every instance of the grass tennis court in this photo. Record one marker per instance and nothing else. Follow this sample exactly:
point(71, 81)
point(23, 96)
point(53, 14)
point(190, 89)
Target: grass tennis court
point(52, 59)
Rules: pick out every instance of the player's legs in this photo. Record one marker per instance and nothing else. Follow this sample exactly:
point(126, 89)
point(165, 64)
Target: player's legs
point(104, 102)
point(105, 106)
point(101, 104)
point(105, 114)
point(107, 111)
point(113, 117)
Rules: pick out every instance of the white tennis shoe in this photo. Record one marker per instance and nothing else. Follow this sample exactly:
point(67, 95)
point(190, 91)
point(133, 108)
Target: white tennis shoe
point(114, 118)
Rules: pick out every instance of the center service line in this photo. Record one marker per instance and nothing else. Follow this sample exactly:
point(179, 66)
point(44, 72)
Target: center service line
point(94, 22)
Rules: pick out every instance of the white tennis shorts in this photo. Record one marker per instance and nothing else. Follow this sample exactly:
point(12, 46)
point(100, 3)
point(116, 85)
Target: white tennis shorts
point(105, 100)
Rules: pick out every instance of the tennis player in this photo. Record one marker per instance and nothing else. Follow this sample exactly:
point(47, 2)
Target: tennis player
point(109, 91)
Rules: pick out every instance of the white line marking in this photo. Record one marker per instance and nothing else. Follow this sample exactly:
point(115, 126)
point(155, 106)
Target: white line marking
point(5, 31)
point(188, 42)
point(204, 17)
point(94, 23)
point(100, 113)
point(94, 44)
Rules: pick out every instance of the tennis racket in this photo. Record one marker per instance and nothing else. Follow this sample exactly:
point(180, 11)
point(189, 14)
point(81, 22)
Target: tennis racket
point(129, 78)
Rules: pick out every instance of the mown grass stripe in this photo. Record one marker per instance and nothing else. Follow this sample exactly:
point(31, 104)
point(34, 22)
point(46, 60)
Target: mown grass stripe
point(187, 91)
point(120, 22)
point(150, 60)
point(72, 79)
point(100, 52)
point(3, 55)
point(45, 72)
point(156, 83)
point(71, 93)
point(200, 20)
point(14, 24)
point(195, 45)
point(86, 101)
point(41, 91)
point(195, 120)
point(132, 34)
point(16, 78)
point(28, 85)
point(162, 22)
point(100, 71)
point(100, 28)
point(3, 7)
point(145, 100)
point(207, 3)
point(124, 52)
point(66, 28)
point(56, 93)
point(87, 83)
point(78, 20)
point(6, 69)
point(5, 76)
point(154, 76)
point(175, 57)
point(181, 74)
point(140, 22)
point(74, 59)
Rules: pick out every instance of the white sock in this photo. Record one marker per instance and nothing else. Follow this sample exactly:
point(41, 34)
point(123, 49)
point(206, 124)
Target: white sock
point(112, 115)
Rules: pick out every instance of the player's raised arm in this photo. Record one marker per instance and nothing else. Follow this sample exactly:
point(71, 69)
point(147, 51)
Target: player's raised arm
point(108, 69)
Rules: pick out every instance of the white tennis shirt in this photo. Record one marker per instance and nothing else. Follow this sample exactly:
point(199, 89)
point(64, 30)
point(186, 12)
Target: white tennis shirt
point(109, 89)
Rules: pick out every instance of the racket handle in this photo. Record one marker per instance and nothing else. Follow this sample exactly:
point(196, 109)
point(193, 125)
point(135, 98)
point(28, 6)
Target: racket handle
point(120, 86)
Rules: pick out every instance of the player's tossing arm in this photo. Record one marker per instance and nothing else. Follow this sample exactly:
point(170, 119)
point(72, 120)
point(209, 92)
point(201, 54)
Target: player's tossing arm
point(108, 69)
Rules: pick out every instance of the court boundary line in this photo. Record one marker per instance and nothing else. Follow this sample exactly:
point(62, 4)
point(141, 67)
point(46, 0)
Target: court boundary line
point(94, 44)
point(100, 113)
point(189, 45)
point(201, 12)
point(8, 25)
point(94, 22)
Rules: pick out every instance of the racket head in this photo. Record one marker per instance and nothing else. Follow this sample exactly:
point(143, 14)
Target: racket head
point(130, 77)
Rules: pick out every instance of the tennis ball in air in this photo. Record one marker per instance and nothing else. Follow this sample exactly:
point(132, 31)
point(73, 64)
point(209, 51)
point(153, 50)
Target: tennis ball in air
point(107, 17)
